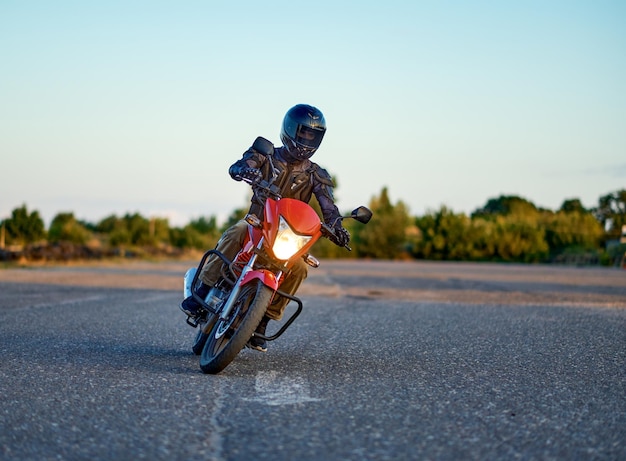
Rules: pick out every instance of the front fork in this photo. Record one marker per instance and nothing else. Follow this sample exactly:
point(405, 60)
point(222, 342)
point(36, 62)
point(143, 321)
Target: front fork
point(234, 294)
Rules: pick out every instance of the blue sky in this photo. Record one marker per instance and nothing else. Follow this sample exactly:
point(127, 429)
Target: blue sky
point(141, 106)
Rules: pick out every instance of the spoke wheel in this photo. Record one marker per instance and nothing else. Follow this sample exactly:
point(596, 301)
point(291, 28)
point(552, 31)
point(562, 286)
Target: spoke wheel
point(230, 335)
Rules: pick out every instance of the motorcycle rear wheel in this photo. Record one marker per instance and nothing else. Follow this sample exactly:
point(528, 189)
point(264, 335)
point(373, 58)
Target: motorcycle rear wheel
point(229, 336)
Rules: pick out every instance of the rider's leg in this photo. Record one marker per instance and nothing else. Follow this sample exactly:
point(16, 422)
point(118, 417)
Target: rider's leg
point(291, 284)
point(229, 244)
point(276, 309)
point(189, 305)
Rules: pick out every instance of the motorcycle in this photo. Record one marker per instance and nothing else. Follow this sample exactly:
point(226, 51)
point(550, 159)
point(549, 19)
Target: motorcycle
point(235, 305)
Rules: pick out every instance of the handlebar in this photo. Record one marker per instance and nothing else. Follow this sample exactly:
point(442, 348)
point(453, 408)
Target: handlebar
point(264, 187)
point(268, 189)
point(328, 231)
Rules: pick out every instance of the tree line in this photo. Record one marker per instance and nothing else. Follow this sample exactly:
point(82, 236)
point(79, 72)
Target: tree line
point(505, 229)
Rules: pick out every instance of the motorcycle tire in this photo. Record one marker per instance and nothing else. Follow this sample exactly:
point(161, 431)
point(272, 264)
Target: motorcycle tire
point(228, 337)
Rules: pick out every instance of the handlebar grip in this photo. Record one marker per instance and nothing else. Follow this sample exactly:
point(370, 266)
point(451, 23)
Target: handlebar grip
point(329, 233)
point(327, 230)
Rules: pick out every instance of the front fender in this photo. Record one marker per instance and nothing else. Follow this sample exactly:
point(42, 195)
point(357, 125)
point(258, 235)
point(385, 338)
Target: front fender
point(266, 277)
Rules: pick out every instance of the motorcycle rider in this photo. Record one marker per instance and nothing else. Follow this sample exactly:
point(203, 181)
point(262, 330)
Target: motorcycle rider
point(301, 133)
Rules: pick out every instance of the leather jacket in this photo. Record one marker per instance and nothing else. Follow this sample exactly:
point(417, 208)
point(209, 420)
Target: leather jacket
point(299, 180)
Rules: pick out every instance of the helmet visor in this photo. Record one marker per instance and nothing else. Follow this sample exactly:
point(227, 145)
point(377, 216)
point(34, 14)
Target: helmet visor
point(309, 137)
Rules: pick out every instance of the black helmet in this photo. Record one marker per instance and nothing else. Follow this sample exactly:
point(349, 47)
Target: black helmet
point(302, 131)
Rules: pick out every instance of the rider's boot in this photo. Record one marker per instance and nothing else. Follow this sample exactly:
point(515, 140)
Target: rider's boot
point(190, 306)
point(257, 343)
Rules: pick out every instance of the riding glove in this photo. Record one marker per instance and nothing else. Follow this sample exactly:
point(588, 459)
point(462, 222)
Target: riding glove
point(252, 174)
point(341, 236)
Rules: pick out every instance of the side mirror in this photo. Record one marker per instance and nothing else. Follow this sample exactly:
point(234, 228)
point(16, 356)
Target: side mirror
point(362, 214)
point(263, 146)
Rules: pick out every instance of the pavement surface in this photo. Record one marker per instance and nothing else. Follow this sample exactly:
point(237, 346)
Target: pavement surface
point(388, 361)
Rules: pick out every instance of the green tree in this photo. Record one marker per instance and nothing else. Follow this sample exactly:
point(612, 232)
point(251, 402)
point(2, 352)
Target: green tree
point(205, 225)
point(611, 212)
point(200, 234)
point(24, 227)
point(115, 229)
point(516, 234)
point(501, 234)
point(158, 232)
point(146, 232)
point(138, 228)
point(572, 205)
point(446, 235)
point(65, 227)
point(187, 237)
point(572, 229)
point(520, 240)
point(134, 229)
point(506, 205)
point(385, 235)
point(108, 224)
point(482, 234)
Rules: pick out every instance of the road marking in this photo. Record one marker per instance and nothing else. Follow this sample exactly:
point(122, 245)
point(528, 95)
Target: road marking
point(66, 302)
point(272, 389)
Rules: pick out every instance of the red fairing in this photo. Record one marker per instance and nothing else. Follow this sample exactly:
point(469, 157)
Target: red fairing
point(251, 239)
point(270, 223)
point(301, 217)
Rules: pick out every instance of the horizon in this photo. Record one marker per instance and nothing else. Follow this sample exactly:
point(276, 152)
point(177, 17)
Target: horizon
point(221, 220)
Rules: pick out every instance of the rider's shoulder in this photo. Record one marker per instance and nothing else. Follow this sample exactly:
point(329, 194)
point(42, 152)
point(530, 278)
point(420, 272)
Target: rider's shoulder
point(321, 174)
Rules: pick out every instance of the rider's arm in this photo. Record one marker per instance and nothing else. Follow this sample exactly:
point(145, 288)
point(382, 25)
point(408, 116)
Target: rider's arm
point(250, 159)
point(251, 164)
point(255, 157)
point(323, 191)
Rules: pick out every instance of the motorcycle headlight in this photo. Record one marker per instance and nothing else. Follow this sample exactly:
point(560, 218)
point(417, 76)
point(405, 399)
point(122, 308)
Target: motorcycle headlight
point(287, 242)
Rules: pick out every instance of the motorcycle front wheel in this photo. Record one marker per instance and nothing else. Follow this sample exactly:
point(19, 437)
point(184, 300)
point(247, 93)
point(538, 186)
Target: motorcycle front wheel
point(230, 335)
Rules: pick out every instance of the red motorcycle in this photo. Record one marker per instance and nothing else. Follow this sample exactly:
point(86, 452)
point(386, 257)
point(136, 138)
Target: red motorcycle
point(235, 305)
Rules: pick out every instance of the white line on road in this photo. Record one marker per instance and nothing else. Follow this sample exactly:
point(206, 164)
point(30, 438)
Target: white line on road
point(272, 389)
point(65, 302)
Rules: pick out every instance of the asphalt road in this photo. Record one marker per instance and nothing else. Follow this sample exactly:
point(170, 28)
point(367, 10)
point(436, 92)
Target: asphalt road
point(388, 361)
